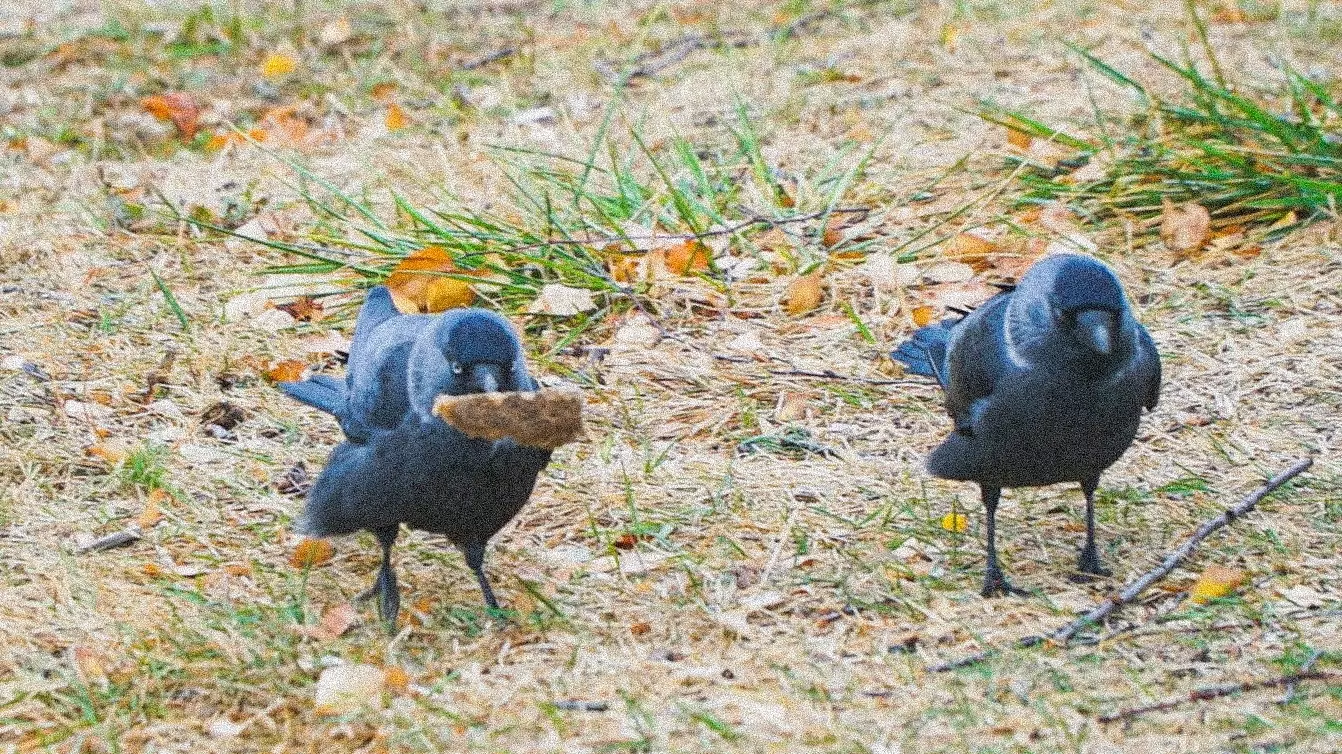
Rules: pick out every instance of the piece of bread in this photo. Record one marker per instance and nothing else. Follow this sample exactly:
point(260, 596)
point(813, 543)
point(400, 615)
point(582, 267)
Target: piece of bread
point(543, 419)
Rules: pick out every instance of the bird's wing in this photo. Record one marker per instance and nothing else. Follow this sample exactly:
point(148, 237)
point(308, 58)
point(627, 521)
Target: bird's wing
point(378, 395)
point(978, 358)
point(377, 308)
point(1148, 358)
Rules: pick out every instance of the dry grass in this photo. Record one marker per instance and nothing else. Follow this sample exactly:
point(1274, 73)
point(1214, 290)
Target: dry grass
point(709, 595)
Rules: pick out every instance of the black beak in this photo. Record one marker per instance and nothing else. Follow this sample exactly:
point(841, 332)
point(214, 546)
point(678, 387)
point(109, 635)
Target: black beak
point(1095, 329)
point(486, 378)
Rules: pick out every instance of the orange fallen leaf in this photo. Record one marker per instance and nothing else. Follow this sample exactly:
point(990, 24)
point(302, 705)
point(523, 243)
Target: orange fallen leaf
point(382, 92)
point(178, 107)
point(688, 257)
point(641, 628)
point(395, 119)
point(971, 249)
point(804, 294)
point(1018, 139)
point(289, 370)
point(1217, 581)
point(277, 65)
point(397, 680)
point(1184, 228)
point(420, 284)
point(922, 315)
point(311, 553)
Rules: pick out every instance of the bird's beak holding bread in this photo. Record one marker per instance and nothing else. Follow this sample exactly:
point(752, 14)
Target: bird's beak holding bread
point(543, 419)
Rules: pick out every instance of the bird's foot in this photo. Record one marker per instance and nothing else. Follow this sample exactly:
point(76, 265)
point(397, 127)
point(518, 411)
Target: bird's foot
point(1088, 567)
point(996, 585)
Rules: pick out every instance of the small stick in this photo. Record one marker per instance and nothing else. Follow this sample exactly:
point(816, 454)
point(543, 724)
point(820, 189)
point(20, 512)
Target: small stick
point(1305, 667)
point(111, 541)
point(1130, 592)
point(1214, 692)
point(577, 705)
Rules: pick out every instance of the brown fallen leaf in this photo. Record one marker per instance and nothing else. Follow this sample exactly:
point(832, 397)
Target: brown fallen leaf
point(303, 309)
point(804, 294)
point(543, 419)
point(1184, 228)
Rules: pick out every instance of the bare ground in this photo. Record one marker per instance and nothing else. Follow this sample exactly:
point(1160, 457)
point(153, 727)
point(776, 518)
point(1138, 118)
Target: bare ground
point(688, 595)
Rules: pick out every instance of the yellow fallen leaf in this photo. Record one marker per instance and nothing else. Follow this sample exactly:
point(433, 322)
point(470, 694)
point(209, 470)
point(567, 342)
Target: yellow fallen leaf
point(956, 522)
point(1217, 581)
point(277, 65)
point(972, 249)
point(289, 370)
point(1018, 139)
point(804, 294)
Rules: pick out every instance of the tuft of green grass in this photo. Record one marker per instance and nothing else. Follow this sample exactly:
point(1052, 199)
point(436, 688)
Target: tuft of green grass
point(573, 220)
point(1258, 158)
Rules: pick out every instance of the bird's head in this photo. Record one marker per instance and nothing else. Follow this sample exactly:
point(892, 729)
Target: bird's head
point(1085, 302)
point(481, 352)
point(467, 351)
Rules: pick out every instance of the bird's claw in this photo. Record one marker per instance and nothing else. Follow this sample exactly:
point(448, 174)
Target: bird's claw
point(1088, 566)
point(996, 585)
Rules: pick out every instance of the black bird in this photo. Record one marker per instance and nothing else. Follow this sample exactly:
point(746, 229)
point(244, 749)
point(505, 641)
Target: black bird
point(1045, 382)
point(401, 464)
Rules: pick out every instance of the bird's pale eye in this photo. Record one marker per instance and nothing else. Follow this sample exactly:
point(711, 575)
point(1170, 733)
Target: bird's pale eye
point(456, 368)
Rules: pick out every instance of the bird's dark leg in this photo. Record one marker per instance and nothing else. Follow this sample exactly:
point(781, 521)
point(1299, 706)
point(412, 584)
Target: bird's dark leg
point(384, 587)
point(994, 582)
point(1089, 562)
point(475, 558)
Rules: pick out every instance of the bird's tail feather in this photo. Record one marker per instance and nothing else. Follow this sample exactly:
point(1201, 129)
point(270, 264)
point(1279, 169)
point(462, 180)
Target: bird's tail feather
point(925, 352)
point(320, 392)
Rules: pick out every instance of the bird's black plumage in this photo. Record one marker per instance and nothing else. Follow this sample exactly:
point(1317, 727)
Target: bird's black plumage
point(1045, 383)
point(401, 464)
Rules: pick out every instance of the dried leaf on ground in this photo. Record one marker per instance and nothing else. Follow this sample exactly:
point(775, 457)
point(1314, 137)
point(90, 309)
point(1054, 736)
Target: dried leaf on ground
point(1185, 228)
point(1217, 581)
point(422, 283)
point(179, 108)
point(559, 300)
point(335, 621)
point(311, 553)
point(804, 294)
point(343, 689)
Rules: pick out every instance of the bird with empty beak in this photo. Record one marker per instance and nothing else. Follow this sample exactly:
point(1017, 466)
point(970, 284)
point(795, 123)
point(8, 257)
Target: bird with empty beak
point(1045, 382)
point(401, 464)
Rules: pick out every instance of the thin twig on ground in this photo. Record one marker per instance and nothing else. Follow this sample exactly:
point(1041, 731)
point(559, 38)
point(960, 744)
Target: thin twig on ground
point(1214, 692)
point(1305, 667)
point(1130, 592)
point(493, 57)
